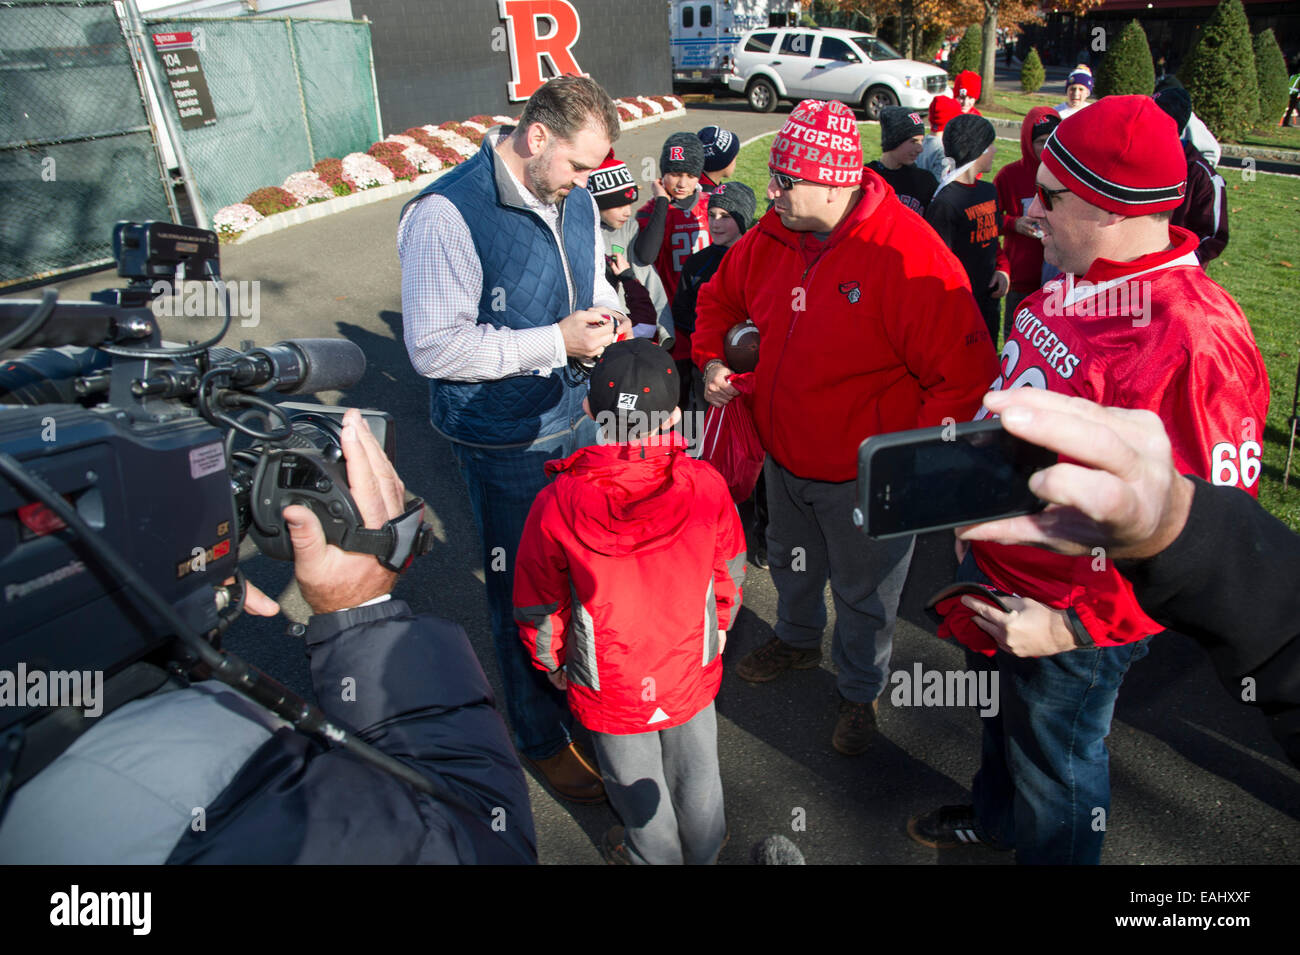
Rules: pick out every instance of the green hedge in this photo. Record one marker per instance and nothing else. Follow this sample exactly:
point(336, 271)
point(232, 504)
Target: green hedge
point(1220, 75)
point(1127, 68)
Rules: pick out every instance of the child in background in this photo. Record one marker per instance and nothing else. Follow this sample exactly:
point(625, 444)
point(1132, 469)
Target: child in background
point(629, 574)
point(902, 136)
point(721, 147)
point(1078, 87)
point(965, 213)
point(943, 109)
point(731, 212)
point(1015, 188)
point(638, 286)
point(966, 88)
point(1205, 208)
point(675, 222)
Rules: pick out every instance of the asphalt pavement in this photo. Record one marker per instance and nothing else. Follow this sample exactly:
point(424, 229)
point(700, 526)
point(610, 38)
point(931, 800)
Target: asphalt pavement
point(1196, 777)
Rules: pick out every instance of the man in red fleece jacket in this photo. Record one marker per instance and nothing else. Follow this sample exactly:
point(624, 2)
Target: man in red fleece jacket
point(866, 325)
point(1015, 185)
point(1134, 323)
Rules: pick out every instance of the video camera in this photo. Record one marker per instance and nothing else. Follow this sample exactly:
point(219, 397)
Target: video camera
point(140, 439)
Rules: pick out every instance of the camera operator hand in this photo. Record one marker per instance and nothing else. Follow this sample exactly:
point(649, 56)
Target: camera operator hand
point(332, 579)
point(1135, 505)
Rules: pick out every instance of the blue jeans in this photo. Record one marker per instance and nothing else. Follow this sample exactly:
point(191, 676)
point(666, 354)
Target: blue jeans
point(502, 484)
point(1043, 786)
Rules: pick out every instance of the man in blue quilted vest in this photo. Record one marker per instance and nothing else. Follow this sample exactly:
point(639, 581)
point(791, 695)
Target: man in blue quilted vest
point(504, 299)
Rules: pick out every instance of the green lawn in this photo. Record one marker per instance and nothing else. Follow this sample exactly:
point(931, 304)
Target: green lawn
point(1017, 106)
point(1260, 269)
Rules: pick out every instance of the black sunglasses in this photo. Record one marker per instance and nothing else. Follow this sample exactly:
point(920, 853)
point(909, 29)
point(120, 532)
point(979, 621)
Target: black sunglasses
point(1045, 195)
point(785, 182)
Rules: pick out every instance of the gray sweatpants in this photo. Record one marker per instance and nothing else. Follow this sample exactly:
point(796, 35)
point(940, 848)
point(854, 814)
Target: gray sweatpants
point(811, 537)
point(667, 789)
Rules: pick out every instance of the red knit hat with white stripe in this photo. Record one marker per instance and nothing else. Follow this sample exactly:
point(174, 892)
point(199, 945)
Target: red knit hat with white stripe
point(1121, 154)
point(819, 143)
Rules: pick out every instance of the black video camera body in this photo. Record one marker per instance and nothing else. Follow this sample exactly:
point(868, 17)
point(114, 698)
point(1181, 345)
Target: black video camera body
point(143, 447)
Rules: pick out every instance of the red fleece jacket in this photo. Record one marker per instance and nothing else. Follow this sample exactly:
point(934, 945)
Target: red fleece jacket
point(872, 331)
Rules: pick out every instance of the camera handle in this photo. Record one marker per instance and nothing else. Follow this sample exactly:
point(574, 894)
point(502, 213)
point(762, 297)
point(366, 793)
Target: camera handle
point(224, 666)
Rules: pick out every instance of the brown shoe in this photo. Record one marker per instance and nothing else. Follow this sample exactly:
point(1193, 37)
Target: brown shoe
point(855, 728)
point(572, 776)
point(775, 657)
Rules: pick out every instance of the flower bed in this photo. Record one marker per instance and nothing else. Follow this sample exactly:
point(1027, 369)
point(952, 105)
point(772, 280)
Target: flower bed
point(398, 158)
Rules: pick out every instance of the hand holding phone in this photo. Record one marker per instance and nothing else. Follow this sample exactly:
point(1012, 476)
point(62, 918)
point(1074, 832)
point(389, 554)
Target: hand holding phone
point(929, 479)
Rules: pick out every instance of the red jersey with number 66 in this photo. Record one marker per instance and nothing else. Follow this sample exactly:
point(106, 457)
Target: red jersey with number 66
point(1155, 333)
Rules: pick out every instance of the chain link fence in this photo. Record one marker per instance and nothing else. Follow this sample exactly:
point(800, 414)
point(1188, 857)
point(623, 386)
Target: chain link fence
point(285, 92)
point(76, 150)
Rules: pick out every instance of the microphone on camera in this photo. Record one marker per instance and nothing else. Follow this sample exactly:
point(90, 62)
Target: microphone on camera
point(301, 366)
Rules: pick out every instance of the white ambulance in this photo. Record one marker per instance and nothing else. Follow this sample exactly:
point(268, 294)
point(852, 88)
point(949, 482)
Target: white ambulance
point(705, 32)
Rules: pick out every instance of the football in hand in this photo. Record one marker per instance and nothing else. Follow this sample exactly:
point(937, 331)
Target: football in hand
point(740, 347)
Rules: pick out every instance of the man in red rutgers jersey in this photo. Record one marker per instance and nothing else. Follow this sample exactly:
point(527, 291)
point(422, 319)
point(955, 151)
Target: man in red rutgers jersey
point(1133, 322)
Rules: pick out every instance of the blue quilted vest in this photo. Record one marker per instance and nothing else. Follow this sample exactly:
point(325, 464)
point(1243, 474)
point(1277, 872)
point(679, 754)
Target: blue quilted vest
point(519, 255)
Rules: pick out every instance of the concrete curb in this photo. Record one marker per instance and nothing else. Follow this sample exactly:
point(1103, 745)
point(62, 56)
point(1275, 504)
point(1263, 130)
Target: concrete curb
point(317, 210)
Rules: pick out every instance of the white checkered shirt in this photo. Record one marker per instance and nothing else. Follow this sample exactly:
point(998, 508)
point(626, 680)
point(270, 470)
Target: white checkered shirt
point(442, 283)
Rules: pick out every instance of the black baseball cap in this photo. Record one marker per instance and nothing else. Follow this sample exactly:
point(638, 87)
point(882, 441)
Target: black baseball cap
point(634, 377)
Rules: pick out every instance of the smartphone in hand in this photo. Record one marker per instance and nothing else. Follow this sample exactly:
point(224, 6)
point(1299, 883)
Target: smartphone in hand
point(930, 479)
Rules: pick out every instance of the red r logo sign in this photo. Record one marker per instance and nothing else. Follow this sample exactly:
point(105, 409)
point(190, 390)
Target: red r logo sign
point(675, 154)
point(528, 49)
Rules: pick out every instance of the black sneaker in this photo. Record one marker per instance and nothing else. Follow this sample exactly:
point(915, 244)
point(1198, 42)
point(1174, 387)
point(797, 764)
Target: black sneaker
point(612, 848)
point(949, 827)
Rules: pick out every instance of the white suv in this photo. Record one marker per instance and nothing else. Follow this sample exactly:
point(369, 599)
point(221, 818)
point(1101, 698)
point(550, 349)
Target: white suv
point(798, 63)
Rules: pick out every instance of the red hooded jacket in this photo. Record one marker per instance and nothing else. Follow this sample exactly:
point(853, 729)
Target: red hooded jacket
point(1015, 185)
point(874, 330)
point(630, 564)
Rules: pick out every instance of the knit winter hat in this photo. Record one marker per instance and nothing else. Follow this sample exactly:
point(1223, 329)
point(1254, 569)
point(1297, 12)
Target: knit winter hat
point(942, 110)
point(720, 147)
point(967, 83)
point(611, 184)
point(682, 152)
point(897, 125)
point(737, 199)
point(1121, 154)
point(1177, 103)
point(966, 137)
point(634, 376)
point(819, 142)
point(1044, 126)
point(1082, 76)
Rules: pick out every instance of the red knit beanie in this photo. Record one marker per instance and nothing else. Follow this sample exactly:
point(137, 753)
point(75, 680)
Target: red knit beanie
point(1121, 154)
point(820, 143)
point(942, 110)
point(967, 83)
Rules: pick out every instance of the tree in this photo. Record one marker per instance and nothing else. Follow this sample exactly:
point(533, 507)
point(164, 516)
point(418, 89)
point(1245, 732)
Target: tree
point(1127, 67)
point(1032, 75)
point(966, 54)
point(1220, 75)
point(1274, 84)
point(1009, 14)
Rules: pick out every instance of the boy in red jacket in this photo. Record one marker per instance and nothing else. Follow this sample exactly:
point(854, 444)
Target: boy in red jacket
point(628, 576)
point(1015, 185)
